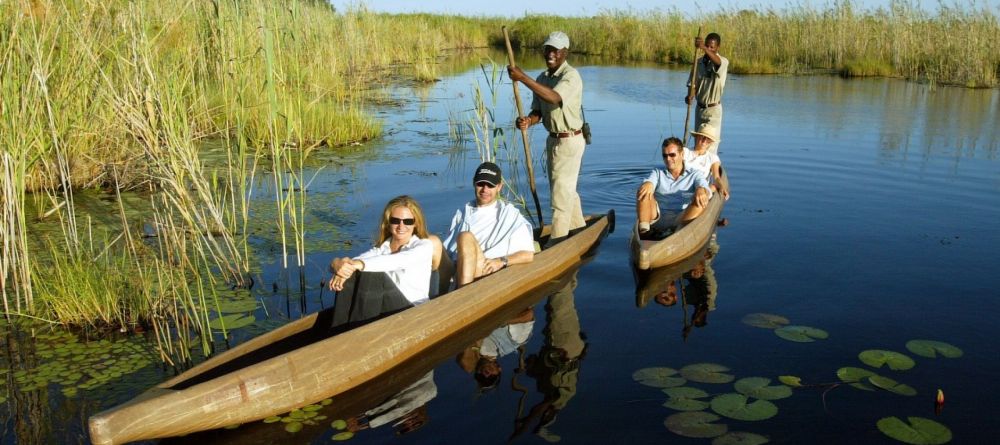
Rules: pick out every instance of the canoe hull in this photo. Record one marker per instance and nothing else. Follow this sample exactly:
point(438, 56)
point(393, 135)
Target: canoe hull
point(331, 366)
point(649, 254)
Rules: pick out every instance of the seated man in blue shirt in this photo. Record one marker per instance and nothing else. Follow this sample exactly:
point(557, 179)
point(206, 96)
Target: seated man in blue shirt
point(682, 191)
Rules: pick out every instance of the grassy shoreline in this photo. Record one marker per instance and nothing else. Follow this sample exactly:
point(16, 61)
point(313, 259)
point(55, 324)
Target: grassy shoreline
point(122, 95)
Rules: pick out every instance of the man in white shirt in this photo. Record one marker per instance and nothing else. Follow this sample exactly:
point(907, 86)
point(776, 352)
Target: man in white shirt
point(486, 234)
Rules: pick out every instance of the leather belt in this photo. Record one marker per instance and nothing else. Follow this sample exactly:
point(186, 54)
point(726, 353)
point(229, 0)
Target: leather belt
point(703, 106)
point(566, 134)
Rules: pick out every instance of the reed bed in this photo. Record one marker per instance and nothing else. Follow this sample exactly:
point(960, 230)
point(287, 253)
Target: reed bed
point(950, 46)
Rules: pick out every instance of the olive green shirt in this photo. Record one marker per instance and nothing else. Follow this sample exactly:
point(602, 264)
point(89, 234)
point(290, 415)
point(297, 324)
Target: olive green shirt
point(569, 116)
point(711, 80)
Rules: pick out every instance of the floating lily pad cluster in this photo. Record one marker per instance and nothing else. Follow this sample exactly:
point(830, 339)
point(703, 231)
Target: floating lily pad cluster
point(76, 366)
point(918, 430)
point(750, 402)
point(298, 418)
point(783, 328)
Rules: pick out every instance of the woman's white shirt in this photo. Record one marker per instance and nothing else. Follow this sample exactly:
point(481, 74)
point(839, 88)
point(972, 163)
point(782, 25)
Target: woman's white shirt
point(410, 268)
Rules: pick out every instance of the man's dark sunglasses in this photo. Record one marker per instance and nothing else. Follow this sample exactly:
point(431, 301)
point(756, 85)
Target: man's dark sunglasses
point(485, 184)
point(669, 155)
point(407, 221)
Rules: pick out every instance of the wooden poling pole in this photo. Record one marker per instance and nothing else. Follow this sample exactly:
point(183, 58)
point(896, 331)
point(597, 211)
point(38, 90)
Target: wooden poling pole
point(524, 131)
point(691, 90)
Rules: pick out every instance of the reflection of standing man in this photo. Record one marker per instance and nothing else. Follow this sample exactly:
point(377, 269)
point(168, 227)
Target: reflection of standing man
point(712, 71)
point(556, 367)
point(557, 104)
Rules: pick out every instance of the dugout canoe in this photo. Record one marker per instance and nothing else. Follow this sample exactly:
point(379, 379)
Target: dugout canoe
point(234, 387)
point(649, 254)
point(650, 282)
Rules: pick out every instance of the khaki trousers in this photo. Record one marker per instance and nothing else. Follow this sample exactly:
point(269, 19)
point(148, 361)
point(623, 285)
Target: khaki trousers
point(565, 155)
point(712, 115)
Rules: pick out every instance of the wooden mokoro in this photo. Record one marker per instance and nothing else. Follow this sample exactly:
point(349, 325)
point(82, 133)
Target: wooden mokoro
point(235, 387)
point(649, 254)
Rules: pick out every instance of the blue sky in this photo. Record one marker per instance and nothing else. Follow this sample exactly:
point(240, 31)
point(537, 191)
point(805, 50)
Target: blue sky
point(517, 8)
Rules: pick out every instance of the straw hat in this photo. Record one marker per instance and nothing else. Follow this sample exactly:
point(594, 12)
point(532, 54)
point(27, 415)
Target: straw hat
point(708, 130)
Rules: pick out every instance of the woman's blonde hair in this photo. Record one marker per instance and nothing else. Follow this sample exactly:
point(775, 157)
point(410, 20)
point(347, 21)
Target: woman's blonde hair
point(419, 226)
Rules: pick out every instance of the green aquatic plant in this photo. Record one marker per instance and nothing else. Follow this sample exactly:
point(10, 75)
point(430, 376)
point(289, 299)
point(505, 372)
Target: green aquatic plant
point(876, 358)
point(892, 385)
point(736, 406)
point(919, 430)
point(658, 377)
point(790, 380)
point(765, 320)
point(801, 334)
point(707, 373)
point(757, 387)
point(855, 377)
point(933, 348)
point(685, 398)
point(696, 424)
point(343, 435)
point(740, 438)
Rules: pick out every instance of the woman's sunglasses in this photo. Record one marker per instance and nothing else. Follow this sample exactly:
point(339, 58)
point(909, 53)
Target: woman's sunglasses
point(406, 221)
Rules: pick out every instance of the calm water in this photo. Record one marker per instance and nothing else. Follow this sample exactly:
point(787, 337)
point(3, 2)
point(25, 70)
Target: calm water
point(866, 208)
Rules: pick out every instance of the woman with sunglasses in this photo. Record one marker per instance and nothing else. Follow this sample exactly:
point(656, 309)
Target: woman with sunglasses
point(403, 251)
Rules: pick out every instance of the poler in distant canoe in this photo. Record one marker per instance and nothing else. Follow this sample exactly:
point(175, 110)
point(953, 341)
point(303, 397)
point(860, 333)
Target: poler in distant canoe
point(711, 80)
point(682, 191)
point(403, 251)
point(558, 105)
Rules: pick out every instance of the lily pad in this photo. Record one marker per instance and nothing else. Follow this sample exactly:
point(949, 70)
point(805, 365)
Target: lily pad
point(231, 321)
point(293, 427)
point(339, 424)
point(697, 424)
point(344, 435)
point(707, 373)
point(920, 431)
point(892, 385)
point(878, 357)
point(272, 419)
point(764, 320)
point(790, 380)
point(234, 306)
point(801, 334)
point(931, 349)
point(856, 377)
point(757, 387)
point(684, 398)
point(740, 438)
point(735, 406)
point(658, 377)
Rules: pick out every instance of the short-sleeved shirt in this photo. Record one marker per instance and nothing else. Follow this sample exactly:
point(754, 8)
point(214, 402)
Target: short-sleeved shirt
point(702, 163)
point(674, 195)
point(569, 116)
point(499, 228)
point(711, 80)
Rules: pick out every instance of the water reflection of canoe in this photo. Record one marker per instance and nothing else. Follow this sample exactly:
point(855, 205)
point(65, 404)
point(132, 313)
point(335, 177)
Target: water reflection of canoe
point(253, 380)
point(650, 282)
point(648, 254)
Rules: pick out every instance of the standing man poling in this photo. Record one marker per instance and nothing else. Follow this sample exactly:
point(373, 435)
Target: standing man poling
point(711, 80)
point(558, 105)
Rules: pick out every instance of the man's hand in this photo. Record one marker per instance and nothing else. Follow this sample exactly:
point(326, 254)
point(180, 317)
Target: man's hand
point(516, 73)
point(523, 122)
point(645, 191)
point(492, 265)
point(688, 99)
point(701, 197)
point(699, 43)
